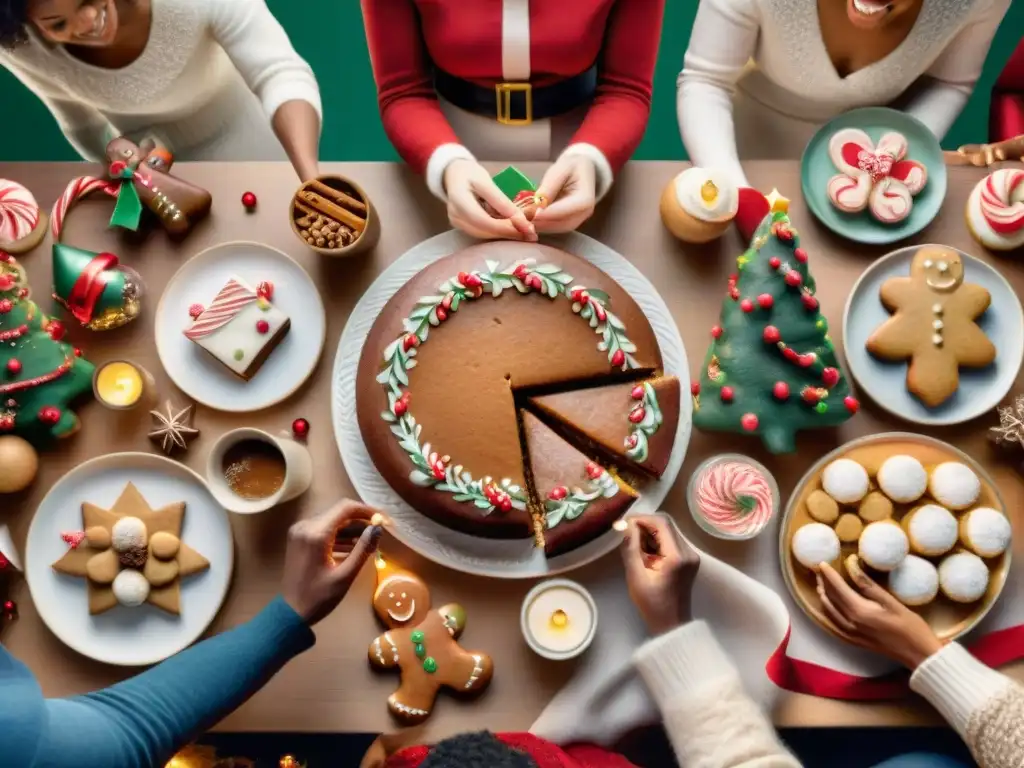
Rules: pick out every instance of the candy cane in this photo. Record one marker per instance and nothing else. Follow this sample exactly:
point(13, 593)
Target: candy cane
point(19, 212)
point(81, 187)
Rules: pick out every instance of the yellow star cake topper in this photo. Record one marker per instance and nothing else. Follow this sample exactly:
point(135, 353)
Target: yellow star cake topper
point(132, 554)
point(777, 202)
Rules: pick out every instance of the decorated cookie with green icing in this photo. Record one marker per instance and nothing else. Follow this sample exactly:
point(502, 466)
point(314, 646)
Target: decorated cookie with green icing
point(40, 375)
point(771, 368)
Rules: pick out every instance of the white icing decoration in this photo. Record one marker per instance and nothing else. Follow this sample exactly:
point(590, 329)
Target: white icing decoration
point(128, 533)
point(937, 339)
point(401, 618)
point(937, 309)
point(478, 668)
point(928, 263)
point(943, 266)
point(378, 651)
point(689, 186)
point(405, 709)
point(392, 647)
point(130, 588)
point(937, 325)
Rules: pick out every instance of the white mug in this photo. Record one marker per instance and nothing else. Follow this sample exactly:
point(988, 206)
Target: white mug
point(298, 473)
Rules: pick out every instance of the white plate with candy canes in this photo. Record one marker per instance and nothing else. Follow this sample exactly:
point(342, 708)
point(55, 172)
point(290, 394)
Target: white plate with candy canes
point(231, 301)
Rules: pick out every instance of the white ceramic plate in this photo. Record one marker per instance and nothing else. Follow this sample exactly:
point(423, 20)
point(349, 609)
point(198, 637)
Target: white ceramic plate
point(201, 377)
point(517, 559)
point(128, 636)
point(980, 390)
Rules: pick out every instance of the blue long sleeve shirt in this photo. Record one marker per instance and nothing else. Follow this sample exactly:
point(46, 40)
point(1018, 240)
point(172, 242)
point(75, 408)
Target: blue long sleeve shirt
point(143, 721)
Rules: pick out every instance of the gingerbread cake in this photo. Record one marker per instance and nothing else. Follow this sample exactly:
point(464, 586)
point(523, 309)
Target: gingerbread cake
point(453, 359)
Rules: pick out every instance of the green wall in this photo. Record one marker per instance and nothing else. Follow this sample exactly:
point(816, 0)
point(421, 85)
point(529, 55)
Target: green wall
point(352, 128)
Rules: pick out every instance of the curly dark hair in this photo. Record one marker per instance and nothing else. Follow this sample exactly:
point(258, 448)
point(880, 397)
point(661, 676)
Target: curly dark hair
point(13, 18)
point(475, 750)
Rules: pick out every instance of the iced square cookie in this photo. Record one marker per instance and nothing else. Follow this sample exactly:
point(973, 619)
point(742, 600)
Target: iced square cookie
point(240, 328)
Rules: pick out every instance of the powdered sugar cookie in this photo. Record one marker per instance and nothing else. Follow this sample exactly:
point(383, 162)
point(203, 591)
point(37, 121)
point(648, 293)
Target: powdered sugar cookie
point(985, 531)
point(814, 544)
point(902, 478)
point(995, 210)
point(963, 577)
point(954, 485)
point(915, 581)
point(932, 530)
point(22, 221)
point(883, 545)
point(845, 480)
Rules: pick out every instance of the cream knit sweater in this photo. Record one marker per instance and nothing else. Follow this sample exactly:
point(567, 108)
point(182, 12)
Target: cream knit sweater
point(757, 80)
point(712, 723)
point(206, 86)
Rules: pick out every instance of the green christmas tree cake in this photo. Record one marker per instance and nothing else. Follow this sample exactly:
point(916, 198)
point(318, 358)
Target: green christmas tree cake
point(771, 369)
point(40, 375)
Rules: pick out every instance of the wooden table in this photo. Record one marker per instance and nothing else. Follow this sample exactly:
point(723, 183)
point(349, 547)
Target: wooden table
point(330, 688)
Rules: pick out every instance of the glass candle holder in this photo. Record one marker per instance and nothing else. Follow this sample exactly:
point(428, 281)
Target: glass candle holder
point(121, 385)
point(559, 619)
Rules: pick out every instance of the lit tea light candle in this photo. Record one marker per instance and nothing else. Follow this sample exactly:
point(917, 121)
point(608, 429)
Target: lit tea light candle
point(120, 384)
point(559, 619)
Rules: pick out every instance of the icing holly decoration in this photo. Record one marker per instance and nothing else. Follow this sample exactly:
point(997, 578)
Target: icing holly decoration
point(772, 371)
point(487, 493)
point(646, 419)
point(563, 504)
point(39, 375)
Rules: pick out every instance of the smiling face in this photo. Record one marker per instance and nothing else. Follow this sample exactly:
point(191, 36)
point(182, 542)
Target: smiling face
point(874, 14)
point(942, 270)
point(401, 600)
point(75, 22)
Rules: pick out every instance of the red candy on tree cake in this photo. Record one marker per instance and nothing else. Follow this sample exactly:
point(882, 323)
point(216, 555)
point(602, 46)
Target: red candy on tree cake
point(40, 375)
point(22, 223)
point(771, 368)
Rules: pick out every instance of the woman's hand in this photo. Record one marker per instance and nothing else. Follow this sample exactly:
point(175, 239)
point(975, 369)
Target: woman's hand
point(469, 186)
point(874, 619)
point(571, 186)
point(315, 579)
point(660, 571)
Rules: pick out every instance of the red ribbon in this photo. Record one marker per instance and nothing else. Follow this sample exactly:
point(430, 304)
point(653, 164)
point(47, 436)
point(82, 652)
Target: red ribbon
point(89, 286)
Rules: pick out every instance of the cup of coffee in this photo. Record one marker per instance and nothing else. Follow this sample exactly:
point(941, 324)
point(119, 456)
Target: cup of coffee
point(250, 470)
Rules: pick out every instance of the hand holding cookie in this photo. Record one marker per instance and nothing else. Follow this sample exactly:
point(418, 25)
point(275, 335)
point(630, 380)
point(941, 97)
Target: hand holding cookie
point(315, 579)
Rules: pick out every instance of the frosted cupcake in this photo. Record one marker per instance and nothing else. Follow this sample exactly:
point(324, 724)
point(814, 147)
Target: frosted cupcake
point(883, 545)
point(698, 205)
point(985, 531)
point(932, 530)
point(814, 544)
point(732, 497)
point(845, 480)
point(903, 479)
point(963, 577)
point(954, 485)
point(914, 582)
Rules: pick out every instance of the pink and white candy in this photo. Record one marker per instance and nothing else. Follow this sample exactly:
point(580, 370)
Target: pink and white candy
point(19, 213)
point(79, 188)
point(725, 488)
point(995, 210)
point(878, 178)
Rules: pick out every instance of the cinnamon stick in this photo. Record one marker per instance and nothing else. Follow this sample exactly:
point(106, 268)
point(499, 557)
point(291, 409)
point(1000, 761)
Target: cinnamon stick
point(332, 210)
point(338, 196)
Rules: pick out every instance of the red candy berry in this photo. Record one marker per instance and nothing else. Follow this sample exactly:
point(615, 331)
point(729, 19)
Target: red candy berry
point(49, 414)
point(73, 539)
point(806, 361)
point(6, 282)
point(401, 405)
point(594, 471)
point(781, 390)
point(446, 302)
point(262, 326)
point(771, 335)
point(637, 414)
point(852, 404)
point(793, 278)
point(800, 255)
point(265, 290)
point(716, 331)
point(810, 395)
point(810, 303)
point(56, 329)
point(638, 392)
point(520, 271)
point(6, 422)
point(830, 376)
point(695, 388)
point(765, 301)
point(558, 493)
point(410, 341)
point(300, 428)
point(774, 262)
point(6, 305)
point(618, 358)
point(195, 311)
point(10, 609)
point(249, 200)
point(734, 293)
point(14, 366)
point(747, 305)
point(442, 314)
point(749, 422)
point(727, 394)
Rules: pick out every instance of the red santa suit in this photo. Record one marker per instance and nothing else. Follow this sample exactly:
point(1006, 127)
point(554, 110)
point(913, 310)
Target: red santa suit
point(530, 79)
point(1006, 116)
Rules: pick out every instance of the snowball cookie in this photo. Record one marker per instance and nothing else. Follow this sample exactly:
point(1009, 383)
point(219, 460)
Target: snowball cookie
point(845, 480)
point(963, 577)
point(814, 544)
point(915, 581)
point(883, 545)
point(954, 485)
point(932, 530)
point(902, 478)
point(128, 533)
point(131, 588)
point(985, 531)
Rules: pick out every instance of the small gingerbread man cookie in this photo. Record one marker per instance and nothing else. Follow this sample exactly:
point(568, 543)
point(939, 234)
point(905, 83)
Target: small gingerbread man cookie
point(933, 324)
point(423, 645)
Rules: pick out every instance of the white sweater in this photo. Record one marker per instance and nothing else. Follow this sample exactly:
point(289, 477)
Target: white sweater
point(757, 77)
point(206, 86)
point(712, 723)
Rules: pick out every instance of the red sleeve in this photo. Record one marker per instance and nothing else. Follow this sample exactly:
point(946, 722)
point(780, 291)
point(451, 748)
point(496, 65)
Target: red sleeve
point(408, 104)
point(617, 119)
point(1006, 115)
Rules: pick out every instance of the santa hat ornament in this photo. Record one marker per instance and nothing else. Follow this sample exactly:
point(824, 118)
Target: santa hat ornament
point(753, 208)
point(99, 291)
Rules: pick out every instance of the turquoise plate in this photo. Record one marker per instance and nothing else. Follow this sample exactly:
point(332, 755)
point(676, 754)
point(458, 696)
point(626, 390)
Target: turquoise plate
point(980, 390)
point(816, 169)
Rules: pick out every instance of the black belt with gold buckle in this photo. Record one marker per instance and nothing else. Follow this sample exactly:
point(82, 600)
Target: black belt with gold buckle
point(518, 103)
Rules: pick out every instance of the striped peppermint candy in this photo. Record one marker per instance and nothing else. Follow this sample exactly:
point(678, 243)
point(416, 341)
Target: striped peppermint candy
point(226, 305)
point(1002, 201)
point(75, 191)
point(19, 212)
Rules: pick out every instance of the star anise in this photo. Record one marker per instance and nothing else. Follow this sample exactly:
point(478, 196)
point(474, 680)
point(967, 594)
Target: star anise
point(1010, 431)
point(173, 430)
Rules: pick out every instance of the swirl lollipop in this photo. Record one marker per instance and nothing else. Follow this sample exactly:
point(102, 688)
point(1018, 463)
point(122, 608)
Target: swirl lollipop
point(733, 497)
point(22, 223)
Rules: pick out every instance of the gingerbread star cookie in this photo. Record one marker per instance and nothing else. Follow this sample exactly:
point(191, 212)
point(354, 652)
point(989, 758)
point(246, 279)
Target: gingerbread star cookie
point(933, 325)
point(423, 645)
point(131, 554)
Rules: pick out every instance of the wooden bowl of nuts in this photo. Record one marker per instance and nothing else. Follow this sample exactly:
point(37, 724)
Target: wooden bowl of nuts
point(333, 216)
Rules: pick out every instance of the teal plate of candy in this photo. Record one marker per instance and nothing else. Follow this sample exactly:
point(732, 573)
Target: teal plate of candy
point(980, 390)
point(816, 168)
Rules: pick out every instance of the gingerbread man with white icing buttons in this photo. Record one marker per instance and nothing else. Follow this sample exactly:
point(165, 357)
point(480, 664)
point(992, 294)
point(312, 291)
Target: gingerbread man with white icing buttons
point(933, 324)
point(423, 645)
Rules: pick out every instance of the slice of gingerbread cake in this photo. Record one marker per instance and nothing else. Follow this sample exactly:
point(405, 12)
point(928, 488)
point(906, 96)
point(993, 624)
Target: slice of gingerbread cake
point(240, 327)
point(577, 499)
point(634, 422)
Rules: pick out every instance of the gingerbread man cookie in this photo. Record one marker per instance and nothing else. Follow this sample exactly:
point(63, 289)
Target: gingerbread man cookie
point(423, 645)
point(933, 324)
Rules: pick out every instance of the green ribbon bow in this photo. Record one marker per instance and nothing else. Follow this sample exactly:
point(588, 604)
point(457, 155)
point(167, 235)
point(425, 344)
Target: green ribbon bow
point(128, 209)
